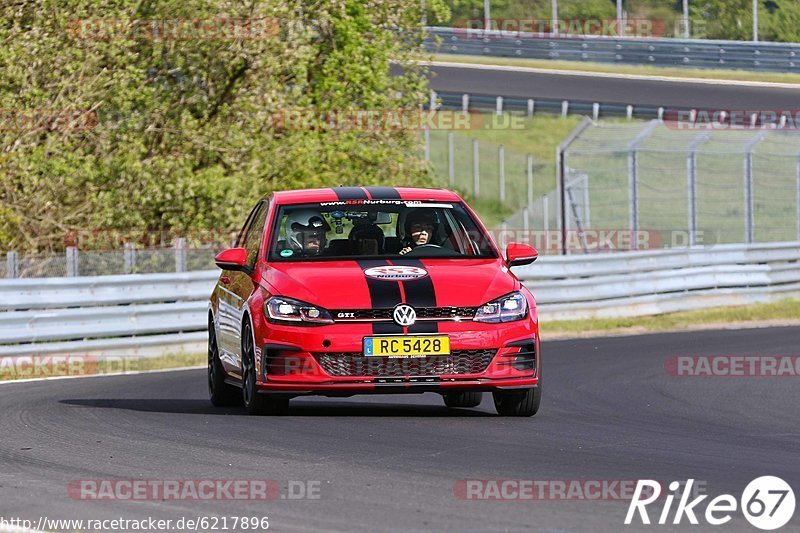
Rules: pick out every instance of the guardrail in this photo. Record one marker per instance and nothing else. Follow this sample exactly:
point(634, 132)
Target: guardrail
point(168, 311)
point(758, 56)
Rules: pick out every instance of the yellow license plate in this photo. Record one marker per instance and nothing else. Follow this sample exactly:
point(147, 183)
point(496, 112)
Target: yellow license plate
point(406, 346)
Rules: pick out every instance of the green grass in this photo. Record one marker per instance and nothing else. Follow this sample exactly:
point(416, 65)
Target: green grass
point(642, 70)
point(784, 310)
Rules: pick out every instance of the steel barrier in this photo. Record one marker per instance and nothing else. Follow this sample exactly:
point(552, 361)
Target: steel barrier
point(119, 313)
point(662, 52)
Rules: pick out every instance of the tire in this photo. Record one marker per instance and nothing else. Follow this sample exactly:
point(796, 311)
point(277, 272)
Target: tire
point(463, 399)
point(220, 393)
point(254, 402)
point(518, 403)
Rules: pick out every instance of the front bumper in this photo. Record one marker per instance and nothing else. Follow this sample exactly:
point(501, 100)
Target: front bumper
point(296, 360)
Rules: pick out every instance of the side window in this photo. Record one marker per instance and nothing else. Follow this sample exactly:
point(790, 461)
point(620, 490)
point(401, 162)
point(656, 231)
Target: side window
point(254, 233)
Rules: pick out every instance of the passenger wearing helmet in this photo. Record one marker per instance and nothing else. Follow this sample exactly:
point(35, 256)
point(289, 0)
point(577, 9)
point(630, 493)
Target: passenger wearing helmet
point(306, 231)
point(420, 228)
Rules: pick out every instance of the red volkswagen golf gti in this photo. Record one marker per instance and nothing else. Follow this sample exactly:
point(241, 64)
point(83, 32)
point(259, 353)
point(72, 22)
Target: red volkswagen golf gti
point(354, 290)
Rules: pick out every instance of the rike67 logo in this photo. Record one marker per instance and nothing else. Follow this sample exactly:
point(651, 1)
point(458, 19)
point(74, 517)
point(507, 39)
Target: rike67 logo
point(767, 503)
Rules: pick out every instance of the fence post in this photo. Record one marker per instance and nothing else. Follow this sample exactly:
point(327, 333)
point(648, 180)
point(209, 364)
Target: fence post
point(129, 257)
point(465, 103)
point(451, 165)
point(561, 154)
point(691, 184)
point(180, 254)
point(595, 111)
point(426, 133)
point(499, 106)
point(12, 264)
point(501, 156)
point(531, 106)
point(72, 261)
point(748, 185)
point(564, 108)
point(530, 179)
point(526, 219)
point(432, 104)
point(546, 215)
point(797, 193)
point(476, 172)
point(633, 175)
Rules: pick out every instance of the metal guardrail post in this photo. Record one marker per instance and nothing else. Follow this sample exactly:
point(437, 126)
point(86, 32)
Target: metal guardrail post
point(476, 172)
point(499, 106)
point(748, 185)
point(129, 257)
point(465, 103)
point(691, 184)
point(12, 264)
point(531, 106)
point(180, 254)
point(451, 164)
point(72, 261)
point(501, 158)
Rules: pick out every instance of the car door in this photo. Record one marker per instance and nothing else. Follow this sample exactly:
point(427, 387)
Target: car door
point(239, 287)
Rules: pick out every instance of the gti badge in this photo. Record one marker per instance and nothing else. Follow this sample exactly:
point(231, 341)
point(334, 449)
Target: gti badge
point(404, 315)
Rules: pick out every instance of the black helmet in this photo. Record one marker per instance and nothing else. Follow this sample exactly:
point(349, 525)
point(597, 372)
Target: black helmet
point(421, 215)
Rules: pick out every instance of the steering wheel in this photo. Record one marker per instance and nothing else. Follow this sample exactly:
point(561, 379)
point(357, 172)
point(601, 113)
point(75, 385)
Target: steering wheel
point(429, 249)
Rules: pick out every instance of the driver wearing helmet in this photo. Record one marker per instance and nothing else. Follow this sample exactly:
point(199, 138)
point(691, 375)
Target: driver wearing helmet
point(306, 231)
point(420, 227)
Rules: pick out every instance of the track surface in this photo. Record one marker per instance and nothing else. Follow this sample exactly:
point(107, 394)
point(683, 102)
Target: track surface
point(610, 411)
point(613, 90)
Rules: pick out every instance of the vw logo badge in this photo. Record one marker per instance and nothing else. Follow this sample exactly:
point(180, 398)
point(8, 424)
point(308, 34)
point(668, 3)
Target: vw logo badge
point(404, 315)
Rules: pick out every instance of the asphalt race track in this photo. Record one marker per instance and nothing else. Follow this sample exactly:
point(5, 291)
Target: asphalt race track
point(610, 412)
point(654, 92)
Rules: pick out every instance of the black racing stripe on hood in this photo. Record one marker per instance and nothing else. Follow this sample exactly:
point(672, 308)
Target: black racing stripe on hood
point(383, 193)
point(419, 293)
point(349, 193)
point(382, 294)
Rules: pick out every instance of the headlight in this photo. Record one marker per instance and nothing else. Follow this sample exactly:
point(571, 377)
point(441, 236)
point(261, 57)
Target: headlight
point(280, 309)
point(508, 308)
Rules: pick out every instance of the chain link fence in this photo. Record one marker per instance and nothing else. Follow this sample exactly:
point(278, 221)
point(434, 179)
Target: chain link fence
point(716, 186)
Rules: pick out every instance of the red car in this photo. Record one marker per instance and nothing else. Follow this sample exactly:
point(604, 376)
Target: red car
point(353, 290)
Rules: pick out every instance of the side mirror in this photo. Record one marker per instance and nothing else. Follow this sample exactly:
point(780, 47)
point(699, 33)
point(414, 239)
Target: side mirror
point(233, 259)
point(520, 254)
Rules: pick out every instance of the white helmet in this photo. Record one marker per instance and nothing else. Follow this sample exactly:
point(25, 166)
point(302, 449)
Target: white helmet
point(304, 222)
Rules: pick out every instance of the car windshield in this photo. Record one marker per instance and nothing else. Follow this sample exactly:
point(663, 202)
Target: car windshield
point(376, 229)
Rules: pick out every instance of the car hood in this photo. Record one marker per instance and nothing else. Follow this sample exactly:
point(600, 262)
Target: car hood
point(344, 285)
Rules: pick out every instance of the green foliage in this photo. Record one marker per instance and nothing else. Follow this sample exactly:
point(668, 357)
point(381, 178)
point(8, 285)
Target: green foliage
point(185, 136)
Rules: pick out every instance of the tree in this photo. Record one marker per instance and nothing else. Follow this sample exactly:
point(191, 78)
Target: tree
point(180, 133)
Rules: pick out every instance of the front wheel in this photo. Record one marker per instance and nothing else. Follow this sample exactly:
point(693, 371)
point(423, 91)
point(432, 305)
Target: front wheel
point(255, 403)
point(463, 399)
point(517, 403)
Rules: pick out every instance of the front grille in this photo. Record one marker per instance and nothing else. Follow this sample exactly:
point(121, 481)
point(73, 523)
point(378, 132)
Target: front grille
point(355, 364)
point(441, 313)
